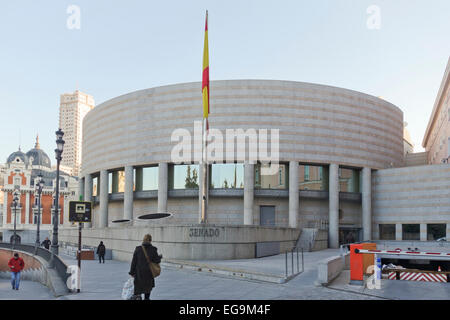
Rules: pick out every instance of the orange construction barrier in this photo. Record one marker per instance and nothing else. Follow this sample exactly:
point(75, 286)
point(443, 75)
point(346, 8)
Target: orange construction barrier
point(360, 262)
point(356, 264)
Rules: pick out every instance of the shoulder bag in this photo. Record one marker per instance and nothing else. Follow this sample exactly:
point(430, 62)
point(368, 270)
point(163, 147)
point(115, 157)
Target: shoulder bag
point(155, 268)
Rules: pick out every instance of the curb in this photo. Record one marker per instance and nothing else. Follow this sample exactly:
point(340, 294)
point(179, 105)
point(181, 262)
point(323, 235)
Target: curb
point(224, 271)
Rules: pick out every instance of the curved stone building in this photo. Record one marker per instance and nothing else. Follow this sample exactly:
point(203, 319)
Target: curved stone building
point(330, 140)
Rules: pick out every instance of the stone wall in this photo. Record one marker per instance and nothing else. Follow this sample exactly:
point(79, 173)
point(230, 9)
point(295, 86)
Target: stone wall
point(317, 123)
point(190, 242)
point(416, 195)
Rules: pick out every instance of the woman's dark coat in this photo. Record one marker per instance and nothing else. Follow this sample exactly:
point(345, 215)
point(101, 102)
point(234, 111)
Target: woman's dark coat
point(101, 249)
point(140, 270)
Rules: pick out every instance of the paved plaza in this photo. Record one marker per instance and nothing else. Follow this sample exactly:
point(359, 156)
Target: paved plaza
point(105, 282)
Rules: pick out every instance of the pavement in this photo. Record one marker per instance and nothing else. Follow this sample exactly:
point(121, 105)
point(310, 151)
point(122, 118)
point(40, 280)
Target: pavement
point(28, 290)
point(105, 282)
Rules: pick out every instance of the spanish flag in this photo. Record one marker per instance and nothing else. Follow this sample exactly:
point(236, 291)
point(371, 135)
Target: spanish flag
point(205, 79)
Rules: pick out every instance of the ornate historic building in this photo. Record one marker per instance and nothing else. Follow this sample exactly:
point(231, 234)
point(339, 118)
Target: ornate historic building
point(22, 172)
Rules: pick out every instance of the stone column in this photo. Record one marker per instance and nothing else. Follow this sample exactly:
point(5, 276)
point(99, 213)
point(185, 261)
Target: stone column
point(333, 227)
point(5, 208)
point(88, 196)
point(163, 182)
point(103, 221)
point(423, 232)
point(367, 203)
point(249, 188)
point(293, 194)
point(128, 194)
point(398, 231)
point(27, 208)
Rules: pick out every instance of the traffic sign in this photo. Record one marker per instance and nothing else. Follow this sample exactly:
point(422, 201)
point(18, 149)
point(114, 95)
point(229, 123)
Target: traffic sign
point(80, 211)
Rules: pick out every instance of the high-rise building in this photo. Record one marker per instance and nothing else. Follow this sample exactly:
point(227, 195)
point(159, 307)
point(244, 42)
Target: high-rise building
point(73, 108)
point(437, 136)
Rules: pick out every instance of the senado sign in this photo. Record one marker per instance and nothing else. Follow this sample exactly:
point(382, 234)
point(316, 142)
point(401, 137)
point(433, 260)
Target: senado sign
point(204, 232)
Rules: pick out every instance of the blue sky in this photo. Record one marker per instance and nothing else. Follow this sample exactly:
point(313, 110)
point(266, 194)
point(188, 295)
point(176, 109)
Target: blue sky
point(124, 46)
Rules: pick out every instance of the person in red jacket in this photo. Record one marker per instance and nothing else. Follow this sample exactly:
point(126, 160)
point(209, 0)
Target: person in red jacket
point(16, 265)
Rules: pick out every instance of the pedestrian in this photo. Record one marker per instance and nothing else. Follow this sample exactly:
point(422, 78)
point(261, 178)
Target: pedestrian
point(46, 243)
point(16, 265)
point(140, 270)
point(101, 249)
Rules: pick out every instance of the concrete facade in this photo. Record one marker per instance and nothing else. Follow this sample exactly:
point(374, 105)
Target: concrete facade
point(73, 108)
point(436, 140)
point(411, 195)
point(355, 140)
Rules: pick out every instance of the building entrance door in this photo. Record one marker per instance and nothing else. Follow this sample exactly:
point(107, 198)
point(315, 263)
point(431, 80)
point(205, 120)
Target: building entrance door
point(267, 215)
point(349, 235)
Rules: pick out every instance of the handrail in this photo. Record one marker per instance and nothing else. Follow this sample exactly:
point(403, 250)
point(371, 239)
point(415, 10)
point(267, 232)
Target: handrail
point(60, 266)
point(293, 274)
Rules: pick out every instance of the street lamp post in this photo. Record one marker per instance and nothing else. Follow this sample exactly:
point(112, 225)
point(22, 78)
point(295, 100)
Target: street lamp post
point(15, 201)
point(58, 152)
point(39, 187)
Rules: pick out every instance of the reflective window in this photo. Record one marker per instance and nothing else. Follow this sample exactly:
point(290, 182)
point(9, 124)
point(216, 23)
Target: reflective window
point(436, 231)
point(110, 182)
point(185, 176)
point(95, 186)
point(411, 232)
point(227, 175)
point(387, 231)
point(349, 180)
point(116, 181)
point(311, 178)
point(272, 181)
point(150, 178)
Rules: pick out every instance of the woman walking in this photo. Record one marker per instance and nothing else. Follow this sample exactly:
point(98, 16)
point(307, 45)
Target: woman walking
point(140, 270)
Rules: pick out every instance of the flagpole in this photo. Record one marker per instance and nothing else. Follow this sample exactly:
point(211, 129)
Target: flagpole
point(204, 168)
point(204, 162)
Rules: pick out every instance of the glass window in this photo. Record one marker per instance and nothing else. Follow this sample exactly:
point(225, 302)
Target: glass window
point(150, 178)
point(411, 232)
point(387, 231)
point(185, 176)
point(274, 181)
point(311, 178)
point(227, 175)
point(348, 180)
point(116, 181)
point(110, 182)
point(436, 231)
point(95, 186)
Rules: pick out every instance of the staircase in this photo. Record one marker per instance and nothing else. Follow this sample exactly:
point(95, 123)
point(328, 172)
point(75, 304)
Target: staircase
point(313, 239)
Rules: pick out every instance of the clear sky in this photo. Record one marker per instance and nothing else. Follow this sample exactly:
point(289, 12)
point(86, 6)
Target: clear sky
point(123, 46)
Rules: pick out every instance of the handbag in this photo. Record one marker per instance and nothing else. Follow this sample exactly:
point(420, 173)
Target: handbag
point(155, 268)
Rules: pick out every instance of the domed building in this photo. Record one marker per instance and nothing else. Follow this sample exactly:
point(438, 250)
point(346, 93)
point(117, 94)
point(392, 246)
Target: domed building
point(22, 172)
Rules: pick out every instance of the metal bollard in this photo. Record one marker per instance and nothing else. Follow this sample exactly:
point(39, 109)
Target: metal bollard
point(285, 262)
point(303, 265)
point(292, 260)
